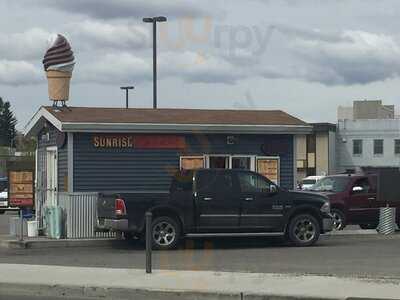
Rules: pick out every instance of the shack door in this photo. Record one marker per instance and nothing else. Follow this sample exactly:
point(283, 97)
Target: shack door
point(51, 188)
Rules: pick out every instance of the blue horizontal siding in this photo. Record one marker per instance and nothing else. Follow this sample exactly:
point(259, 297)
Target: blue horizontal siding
point(126, 169)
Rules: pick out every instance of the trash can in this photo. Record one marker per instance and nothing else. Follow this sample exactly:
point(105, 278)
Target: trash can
point(32, 228)
point(53, 215)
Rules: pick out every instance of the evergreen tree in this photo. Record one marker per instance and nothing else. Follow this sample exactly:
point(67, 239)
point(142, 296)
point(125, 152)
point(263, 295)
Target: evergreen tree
point(7, 124)
point(24, 144)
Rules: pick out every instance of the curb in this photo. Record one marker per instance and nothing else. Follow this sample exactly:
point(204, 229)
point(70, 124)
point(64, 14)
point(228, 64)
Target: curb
point(137, 294)
point(57, 282)
point(354, 232)
point(36, 244)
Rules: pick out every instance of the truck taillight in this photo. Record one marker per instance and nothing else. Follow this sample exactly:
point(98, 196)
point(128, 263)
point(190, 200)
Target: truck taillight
point(120, 208)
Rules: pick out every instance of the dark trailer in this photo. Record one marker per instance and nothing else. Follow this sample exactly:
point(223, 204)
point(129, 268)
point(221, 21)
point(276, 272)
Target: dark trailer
point(91, 149)
point(388, 186)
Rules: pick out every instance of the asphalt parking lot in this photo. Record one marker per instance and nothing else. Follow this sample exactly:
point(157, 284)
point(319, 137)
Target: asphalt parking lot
point(373, 256)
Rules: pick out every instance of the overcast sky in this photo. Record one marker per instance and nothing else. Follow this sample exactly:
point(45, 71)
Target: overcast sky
point(305, 57)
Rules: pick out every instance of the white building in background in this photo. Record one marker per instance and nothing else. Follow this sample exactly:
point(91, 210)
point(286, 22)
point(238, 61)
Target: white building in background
point(316, 152)
point(369, 139)
point(366, 110)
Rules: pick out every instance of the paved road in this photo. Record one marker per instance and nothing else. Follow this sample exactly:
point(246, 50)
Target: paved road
point(364, 256)
point(355, 256)
point(21, 297)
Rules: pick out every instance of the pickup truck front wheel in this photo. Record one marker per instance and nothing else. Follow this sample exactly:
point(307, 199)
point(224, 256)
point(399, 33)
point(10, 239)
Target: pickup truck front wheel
point(339, 219)
point(165, 233)
point(303, 230)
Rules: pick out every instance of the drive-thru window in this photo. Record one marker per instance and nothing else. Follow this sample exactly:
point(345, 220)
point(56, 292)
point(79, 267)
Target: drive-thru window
point(267, 166)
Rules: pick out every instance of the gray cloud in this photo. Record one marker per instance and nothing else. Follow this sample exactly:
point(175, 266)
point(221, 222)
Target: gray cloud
point(27, 45)
point(97, 35)
point(104, 53)
point(106, 9)
point(212, 53)
point(17, 73)
point(241, 58)
point(195, 67)
point(189, 66)
point(345, 58)
point(115, 68)
point(310, 34)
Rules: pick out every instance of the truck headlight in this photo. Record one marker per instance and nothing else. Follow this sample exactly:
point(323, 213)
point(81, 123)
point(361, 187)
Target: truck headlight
point(326, 208)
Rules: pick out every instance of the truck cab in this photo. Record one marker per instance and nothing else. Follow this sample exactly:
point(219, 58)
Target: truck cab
point(354, 199)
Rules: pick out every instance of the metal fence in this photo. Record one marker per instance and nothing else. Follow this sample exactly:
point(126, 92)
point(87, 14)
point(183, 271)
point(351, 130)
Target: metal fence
point(80, 216)
point(40, 198)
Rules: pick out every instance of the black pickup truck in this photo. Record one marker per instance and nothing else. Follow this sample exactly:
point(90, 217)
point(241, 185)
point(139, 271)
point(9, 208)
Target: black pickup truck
point(214, 202)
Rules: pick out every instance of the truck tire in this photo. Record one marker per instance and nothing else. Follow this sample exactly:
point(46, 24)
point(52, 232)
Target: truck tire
point(303, 230)
point(339, 219)
point(165, 233)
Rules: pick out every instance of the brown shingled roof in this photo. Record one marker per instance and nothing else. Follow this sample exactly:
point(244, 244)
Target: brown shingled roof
point(174, 116)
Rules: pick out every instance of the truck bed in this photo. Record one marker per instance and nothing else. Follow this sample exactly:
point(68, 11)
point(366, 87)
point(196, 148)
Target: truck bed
point(136, 203)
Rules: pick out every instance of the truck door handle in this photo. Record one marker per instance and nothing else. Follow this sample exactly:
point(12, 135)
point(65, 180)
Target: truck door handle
point(248, 199)
point(207, 198)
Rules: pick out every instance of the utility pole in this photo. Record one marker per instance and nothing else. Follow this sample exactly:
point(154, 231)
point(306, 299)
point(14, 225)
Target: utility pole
point(154, 21)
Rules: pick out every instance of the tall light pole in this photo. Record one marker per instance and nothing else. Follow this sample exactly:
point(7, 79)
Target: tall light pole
point(127, 88)
point(154, 20)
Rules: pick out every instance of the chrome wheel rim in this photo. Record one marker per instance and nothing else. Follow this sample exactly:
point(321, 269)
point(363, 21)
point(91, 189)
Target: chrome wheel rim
point(337, 221)
point(305, 230)
point(164, 234)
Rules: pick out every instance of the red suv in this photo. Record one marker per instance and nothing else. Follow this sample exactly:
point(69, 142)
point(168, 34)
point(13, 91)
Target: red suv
point(353, 200)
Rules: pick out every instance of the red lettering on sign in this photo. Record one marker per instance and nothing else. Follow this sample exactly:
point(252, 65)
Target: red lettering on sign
point(159, 142)
point(21, 202)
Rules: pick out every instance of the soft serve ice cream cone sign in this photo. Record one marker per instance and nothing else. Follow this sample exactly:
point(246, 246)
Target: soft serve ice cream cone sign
point(58, 62)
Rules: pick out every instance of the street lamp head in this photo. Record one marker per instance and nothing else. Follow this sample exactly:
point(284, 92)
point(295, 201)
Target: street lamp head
point(155, 19)
point(127, 87)
point(161, 19)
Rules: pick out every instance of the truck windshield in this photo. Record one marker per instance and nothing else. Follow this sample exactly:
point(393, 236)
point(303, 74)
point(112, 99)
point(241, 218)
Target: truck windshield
point(309, 181)
point(331, 184)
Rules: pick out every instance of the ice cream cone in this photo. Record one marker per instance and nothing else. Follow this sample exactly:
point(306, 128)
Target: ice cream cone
point(58, 83)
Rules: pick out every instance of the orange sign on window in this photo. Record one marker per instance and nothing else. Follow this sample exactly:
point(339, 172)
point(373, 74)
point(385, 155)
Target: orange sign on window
point(269, 167)
point(21, 188)
point(192, 163)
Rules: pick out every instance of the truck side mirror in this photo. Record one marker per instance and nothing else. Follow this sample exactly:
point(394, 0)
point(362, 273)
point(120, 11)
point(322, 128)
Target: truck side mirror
point(273, 189)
